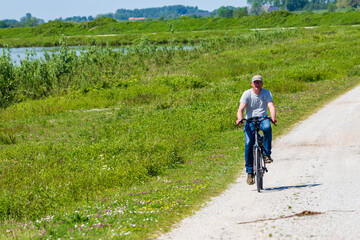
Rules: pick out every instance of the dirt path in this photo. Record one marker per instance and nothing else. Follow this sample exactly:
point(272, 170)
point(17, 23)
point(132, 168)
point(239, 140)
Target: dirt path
point(312, 190)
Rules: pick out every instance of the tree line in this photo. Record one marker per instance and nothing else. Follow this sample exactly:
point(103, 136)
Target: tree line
point(168, 12)
point(176, 11)
point(165, 12)
point(26, 21)
point(305, 5)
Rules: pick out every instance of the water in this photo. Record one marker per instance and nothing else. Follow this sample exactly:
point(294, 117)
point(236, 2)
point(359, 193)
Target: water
point(18, 54)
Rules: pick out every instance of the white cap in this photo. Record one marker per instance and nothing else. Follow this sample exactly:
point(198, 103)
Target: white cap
point(256, 78)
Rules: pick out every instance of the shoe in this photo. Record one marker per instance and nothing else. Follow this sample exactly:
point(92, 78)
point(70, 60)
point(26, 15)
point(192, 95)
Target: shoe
point(268, 159)
point(250, 179)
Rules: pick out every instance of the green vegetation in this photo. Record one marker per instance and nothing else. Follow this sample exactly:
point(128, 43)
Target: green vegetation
point(107, 31)
point(164, 12)
point(125, 143)
point(304, 5)
point(26, 21)
point(175, 11)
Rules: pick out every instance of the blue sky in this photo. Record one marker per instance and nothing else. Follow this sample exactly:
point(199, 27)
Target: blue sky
point(50, 9)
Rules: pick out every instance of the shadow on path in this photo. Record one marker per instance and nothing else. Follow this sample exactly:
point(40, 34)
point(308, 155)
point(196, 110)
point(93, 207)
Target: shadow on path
point(290, 187)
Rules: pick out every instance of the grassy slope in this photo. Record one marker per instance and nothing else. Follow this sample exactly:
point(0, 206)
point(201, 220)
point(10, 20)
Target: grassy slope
point(164, 146)
point(127, 32)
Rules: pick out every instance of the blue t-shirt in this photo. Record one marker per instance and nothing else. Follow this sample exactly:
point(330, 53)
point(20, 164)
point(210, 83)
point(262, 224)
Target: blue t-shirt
point(256, 105)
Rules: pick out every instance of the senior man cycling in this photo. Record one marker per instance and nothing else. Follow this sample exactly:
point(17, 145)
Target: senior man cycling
point(256, 102)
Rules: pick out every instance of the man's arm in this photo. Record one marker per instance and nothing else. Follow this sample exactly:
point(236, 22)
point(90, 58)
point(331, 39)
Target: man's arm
point(271, 107)
point(240, 112)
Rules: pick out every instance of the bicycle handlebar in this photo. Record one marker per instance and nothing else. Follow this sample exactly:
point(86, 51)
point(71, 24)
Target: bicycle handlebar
point(256, 119)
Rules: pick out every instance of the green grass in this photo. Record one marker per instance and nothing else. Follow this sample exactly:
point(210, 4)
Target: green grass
point(124, 145)
point(185, 29)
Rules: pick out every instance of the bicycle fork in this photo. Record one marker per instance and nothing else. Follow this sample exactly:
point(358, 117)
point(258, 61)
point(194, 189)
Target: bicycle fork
point(259, 149)
point(260, 143)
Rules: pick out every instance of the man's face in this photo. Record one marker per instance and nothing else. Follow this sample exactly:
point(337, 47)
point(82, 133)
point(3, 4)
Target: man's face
point(257, 84)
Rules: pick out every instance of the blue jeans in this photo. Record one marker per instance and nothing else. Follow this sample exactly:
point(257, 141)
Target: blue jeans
point(249, 130)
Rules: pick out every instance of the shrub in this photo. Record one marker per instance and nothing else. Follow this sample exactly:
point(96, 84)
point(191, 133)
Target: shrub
point(332, 7)
point(7, 79)
point(7, 138)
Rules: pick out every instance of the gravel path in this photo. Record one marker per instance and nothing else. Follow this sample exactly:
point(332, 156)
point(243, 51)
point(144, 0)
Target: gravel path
point(316, 168)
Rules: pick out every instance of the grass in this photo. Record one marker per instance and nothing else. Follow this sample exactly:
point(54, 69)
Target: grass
point(107, 31)
point(123, 145)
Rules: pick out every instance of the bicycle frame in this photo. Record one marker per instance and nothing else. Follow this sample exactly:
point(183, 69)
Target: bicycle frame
point(259, 161)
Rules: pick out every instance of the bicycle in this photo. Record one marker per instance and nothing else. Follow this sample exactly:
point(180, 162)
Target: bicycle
point(258, 154)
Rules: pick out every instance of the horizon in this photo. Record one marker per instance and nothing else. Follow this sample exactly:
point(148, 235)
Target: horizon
point(47, 11)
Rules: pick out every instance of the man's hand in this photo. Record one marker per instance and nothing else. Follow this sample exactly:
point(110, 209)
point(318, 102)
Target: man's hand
point(239, 122)
point(274, 120)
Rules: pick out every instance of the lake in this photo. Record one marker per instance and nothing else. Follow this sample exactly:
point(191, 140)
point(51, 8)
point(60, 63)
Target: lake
point(18, 54)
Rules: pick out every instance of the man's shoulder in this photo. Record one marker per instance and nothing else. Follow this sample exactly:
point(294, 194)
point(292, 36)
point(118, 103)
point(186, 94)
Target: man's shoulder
point(247, 92)
point(267, 95)
point(265, 91)
point(246, 96)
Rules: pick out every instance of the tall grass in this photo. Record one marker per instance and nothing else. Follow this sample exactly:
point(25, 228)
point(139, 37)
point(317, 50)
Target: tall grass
point(97, 68)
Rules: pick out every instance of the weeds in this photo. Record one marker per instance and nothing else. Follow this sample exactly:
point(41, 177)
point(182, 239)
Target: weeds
point(7, 138)
point(98, 68)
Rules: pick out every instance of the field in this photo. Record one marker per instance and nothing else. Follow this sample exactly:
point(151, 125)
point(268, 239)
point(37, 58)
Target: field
point(122, 144)
point(107, 31)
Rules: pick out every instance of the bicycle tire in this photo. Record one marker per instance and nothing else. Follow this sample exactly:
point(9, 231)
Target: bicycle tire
point(261, 181)
point(258, 170)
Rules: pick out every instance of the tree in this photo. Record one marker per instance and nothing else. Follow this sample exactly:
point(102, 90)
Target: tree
point(229, 13)
point(31, 22)
point(293, 5)
point(332, 7)
point(166, 12)
point(110, 15)
point(3, 24)
point(225, 12)
point(26, 17)
point(240, 12)
point(277, 3)
point(347, 3)
point(256, 7)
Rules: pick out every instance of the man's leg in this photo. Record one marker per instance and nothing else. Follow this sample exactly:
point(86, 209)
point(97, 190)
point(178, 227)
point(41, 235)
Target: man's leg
point(249, 143)
point(265, 126)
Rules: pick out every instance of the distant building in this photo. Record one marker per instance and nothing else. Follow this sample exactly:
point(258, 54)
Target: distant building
point(266, 8)
point(136, 18)
point(269, 8)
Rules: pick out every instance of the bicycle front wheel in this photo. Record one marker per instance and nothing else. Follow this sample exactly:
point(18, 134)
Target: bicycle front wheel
point(258, 170)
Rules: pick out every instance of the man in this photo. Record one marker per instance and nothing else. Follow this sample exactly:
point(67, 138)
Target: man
point(256, 102)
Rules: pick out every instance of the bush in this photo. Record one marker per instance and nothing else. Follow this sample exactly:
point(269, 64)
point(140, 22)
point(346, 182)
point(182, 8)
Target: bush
point(7, 138)
point(99, 22)
point(332, 7)
point(52, 28)
point(7, 79)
